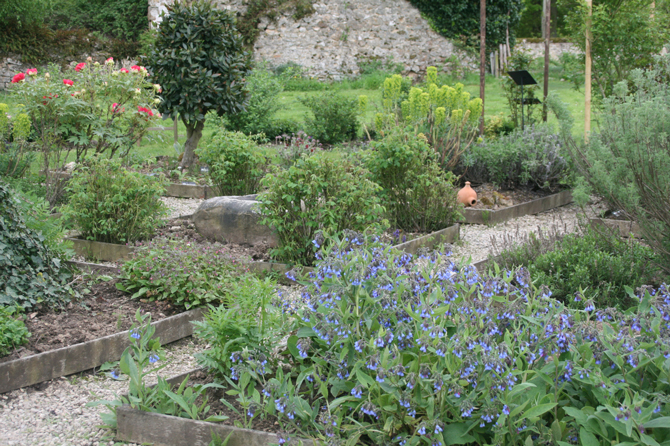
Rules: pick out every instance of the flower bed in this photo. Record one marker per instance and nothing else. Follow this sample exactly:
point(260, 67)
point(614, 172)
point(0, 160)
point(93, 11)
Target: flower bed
point(491, 217)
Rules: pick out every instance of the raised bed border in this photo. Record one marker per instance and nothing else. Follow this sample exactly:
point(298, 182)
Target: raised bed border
point(51, 364)
point(491, 217)
point(624, 228)
point(135, 426)
point(179, 190)
point(106, 252)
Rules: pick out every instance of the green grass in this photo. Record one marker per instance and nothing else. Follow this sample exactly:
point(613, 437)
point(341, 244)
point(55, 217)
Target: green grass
point(159, 143)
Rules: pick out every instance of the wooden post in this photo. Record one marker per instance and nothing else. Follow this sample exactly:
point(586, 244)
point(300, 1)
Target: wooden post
point(176, 131)
point(482, 61)
point(547, 43)
point(587, 74)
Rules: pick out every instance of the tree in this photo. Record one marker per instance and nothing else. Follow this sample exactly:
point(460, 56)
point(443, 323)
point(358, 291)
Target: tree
point(200, 63)
point(24, 12)
point(460, 19)
point(626, 36)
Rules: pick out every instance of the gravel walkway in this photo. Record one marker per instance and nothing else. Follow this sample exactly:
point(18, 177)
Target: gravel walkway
point(180, 207)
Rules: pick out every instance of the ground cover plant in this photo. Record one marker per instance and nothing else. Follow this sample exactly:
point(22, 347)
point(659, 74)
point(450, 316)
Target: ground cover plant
point(110, 204)
point(13, 332)
point(391, 349)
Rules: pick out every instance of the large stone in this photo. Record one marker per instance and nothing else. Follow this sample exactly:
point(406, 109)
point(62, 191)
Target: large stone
point(233, 219)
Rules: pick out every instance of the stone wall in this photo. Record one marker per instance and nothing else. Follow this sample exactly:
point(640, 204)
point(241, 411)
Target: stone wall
point(9, 67)
point(536, 49)
point(332, 42)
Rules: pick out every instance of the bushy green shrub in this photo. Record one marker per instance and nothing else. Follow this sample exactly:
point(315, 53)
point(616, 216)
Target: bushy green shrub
point(122, 19)
point(31, 273)
point(184, 274)
point(317, 193)
point(533, 157)
point(628, 162)
point(113, 205)
point(15, 158)
point(333, 119)
point(590, 266)
point(13, 332)
point(386, 348)
point(416, 193)
point(236, 164)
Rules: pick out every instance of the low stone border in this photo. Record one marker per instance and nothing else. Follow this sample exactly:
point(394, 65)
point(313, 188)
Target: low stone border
point(490, 217)
point(446, 235)
point(107, 252)
point(76, 358)
point(135, 426)
point(189, 191)
point(623, 227)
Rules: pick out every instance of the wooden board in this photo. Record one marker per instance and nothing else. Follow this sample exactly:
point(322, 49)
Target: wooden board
point(491, 217)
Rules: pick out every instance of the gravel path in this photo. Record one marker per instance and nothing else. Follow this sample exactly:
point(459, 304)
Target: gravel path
point(181, 206)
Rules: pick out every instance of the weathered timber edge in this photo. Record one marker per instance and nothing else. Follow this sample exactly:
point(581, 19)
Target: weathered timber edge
point(189, 191)
point(64, 361)
point(446, 235)
point(163, 430)
point(623, 228)
point(486, 216)
point(95, 267)
point(107, 252)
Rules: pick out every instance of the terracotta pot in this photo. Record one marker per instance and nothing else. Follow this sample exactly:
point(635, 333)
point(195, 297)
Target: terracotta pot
point(467, 195)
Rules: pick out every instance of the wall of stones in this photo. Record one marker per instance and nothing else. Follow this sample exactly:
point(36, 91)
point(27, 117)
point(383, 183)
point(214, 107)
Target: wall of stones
point(332, 42)
point(9, 67)
point(536, 49)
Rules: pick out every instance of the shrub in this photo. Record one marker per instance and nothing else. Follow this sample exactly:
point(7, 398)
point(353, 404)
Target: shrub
point(628, 162)
point(293, 147)
point(199, 59)
point(15, 159)
point(390, 348)
point(317, 193)
point(13, 332)
point(184, 274)
point(333, 119)
point(531, 157)
point(236, 164)
point(416, 193)
point(31, 274)
point(113, 205)
point(590, 266)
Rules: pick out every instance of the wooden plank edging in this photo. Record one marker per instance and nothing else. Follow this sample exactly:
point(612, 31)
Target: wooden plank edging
point(446, 235)
point(108, 252)
point(486, 216)
point(135, 426)
point(76, 358)
point(623, 228)
point(189, 191)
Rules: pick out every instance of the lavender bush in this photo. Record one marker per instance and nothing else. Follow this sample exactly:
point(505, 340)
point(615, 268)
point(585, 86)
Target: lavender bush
point(391, 349)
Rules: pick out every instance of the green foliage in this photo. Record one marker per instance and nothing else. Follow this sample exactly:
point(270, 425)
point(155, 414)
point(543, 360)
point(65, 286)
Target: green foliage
point(333, 119)
point(593, 265)
point(521, 60)
point(533, 157)
point(460, 19)
point(246, 320)
point(13, 332)
point(294, 147)
point(184, 274)
point(626, 36)
point(121, 19)
point(417, 195)
point(113, 205)
point(258, 116)
point(628, 162)
point(316, 194)
point(24, 12)
point(31, 273)
point(15, 160)
point(236, 164)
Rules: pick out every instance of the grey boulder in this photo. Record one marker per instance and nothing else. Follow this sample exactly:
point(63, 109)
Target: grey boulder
point(233, 219)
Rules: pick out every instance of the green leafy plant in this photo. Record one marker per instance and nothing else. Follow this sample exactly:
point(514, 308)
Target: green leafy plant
point(236, 164)
point(113, 205)
point(15, 159)
point(187, 275)
point(533, 158)
point(295, 146)
point(333, 119)
point(31, 273)
point(199, 59)
point(317, 193)
point(13, 332)
point(520, 60)
point(416, 193)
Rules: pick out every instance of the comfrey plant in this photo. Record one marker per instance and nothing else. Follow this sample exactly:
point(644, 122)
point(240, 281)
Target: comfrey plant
point(393, 349)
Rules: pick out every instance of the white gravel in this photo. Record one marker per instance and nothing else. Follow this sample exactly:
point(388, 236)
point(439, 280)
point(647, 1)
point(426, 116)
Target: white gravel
point(180, 207)
point(58, 416)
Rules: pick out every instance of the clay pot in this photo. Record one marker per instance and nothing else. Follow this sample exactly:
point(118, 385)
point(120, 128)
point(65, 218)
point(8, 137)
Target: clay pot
point(467, 195)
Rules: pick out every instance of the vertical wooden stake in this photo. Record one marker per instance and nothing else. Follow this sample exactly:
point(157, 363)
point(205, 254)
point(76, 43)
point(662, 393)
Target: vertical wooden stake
point(176, 131)
point(547, 43)
point(482, 61)
point(587, 74)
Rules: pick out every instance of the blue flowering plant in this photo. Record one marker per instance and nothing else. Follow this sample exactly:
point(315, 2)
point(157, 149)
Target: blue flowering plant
point(393, 349)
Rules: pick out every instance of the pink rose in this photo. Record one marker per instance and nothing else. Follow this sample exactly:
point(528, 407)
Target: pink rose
point(124, 70)
point(135, 68)
point(18, 78)
point(145, 110)
point(31, 71)
point(110, 61)
point(79, 67)
point(68, 82)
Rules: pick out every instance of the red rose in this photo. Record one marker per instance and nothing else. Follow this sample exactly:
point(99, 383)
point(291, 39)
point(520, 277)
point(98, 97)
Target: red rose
point(145, 110)
point(124, 70)
point(68, 82)
point(135, 68)
point(31, 71)
point(79, 67)
point(18, 78)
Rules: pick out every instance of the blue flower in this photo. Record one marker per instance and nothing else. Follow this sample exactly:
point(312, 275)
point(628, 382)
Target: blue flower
point(153, 358)
point(357, 391)
point(135, 334)
point(114, 374)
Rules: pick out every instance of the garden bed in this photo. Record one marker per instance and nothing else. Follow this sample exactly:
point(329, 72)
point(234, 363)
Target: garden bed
point(492, 216)
point(624, 228)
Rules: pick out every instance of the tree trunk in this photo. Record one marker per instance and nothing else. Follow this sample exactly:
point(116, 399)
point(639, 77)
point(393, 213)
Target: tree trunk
point(482, 60)
point(193, 135)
